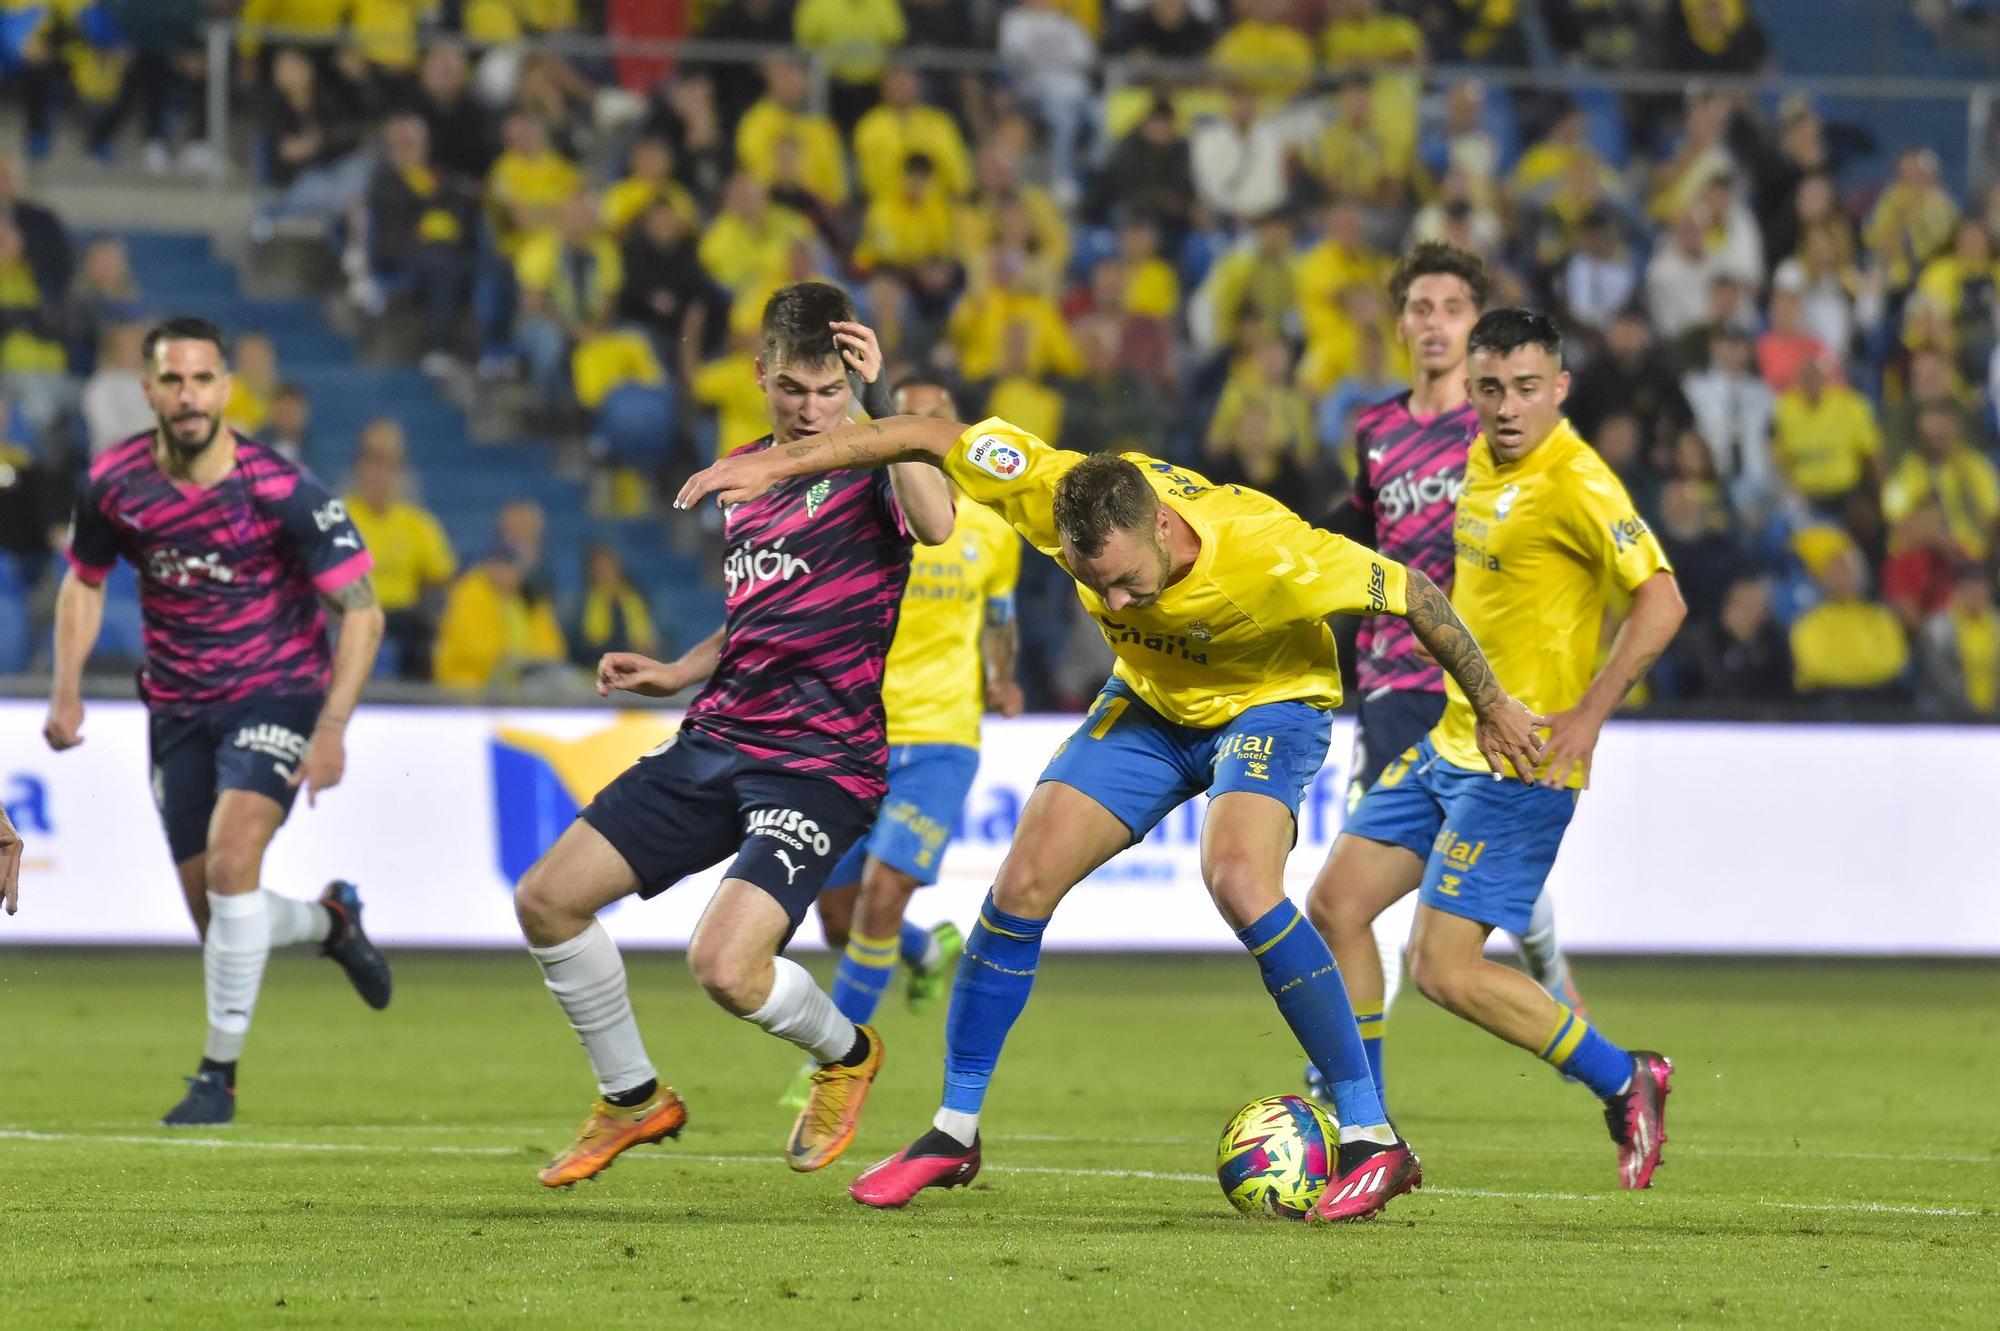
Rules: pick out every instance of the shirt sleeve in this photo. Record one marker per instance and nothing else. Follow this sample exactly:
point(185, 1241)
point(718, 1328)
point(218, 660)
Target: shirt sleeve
point(93, 541)
point(1602, 527)
point(1309, 574)
point(1013, 473)
point(323, 535)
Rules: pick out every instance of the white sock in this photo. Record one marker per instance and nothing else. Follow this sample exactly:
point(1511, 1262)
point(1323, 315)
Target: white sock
point(1538, 945)
point(587, 977)
point(295, 921)
point(799, 1010)
point(1392, 935)
point(958, 1125)
point(1381, 1134)
point(232, 964)
point(933, 953)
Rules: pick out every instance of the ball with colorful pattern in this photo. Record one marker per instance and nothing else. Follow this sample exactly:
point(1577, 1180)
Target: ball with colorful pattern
point(1276, 1156)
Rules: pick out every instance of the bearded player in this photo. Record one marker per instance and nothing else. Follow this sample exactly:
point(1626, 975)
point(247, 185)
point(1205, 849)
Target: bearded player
point(237, 550)
point(1215, 600)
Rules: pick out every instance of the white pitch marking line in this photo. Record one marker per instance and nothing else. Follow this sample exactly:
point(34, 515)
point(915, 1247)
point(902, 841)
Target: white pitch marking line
point(168, 1137)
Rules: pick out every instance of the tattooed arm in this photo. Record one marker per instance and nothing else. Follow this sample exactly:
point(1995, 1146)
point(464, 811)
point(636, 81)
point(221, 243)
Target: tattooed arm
point(360, 635)
point(744, 476)
point(1657, 612)
point(1506, 729)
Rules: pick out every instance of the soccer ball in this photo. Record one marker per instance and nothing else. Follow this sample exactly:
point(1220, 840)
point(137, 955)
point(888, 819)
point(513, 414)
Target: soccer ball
point(1275, 1156)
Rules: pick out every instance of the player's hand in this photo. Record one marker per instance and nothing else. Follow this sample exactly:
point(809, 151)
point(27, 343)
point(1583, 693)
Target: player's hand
point(1507, 739)
point(1572, 739)
point(629, 672)
point(10, 865)
point(64, 727)
point(322, 767)
point(1004, 696)
point(859, 350)
point(732, 480)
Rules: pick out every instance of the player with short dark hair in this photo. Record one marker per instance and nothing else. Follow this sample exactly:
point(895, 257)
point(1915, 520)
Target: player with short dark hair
point(1215, 600)
point(1543, 529)
point(955, 634)
point(237, 549)
point(1408, 468)
point(779, 763)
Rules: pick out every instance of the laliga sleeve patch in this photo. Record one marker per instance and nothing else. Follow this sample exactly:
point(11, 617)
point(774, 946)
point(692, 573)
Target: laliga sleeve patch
point(996, 457)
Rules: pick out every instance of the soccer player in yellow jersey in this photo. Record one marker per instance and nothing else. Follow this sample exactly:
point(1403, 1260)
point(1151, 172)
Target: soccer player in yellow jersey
point(956, 629)
point(1215, 600)
point(1543, 529)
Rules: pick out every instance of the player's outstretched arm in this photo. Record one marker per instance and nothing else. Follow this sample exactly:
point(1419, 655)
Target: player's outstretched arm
point(79, 616)
point(1657, 612)
point(1506, 730)
point(629, 672)
point(360, 637)
point(742, 477)
point(10, 865)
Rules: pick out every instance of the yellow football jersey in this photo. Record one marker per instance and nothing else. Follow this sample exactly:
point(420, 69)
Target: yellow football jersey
point(1540, 542)
point(931, 683)
point(1246, 625)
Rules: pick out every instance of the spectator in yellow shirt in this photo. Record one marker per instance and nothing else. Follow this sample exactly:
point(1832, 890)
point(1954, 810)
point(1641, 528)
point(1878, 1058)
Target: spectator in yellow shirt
point(854, 38)
point(1261, 382)
point(1848, 646)
point(413, 557)
point(902, 125)
point(1391, 47)
point(979, 218)
point(1913, 218)
point(649, 179)
point(1339, 352)
point(1152, 289)
point(1564, 150)
point(1353, 159)
point(783, 113)
point(1342, 258)
point(1019, 395)
point(1263, 51)
point(495, 632)
point(254, 373)
point(1962, 646)
point(1827, 441)
point(529, 181)
point(569, 280)
point(979, 325)
point(728, 387)
point(908, 229)
point(749, 240)
point(1258, 283)
point(1947, 469)
point(1959, 287)
point(612, 617)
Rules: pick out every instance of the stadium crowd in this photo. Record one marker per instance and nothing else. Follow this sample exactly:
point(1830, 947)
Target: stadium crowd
point(1789, 358)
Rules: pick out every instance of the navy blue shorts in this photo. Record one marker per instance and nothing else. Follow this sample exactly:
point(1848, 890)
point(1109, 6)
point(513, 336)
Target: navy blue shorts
point(695, 801)
point(255, 744)
point(1388, 725)
point(1142, 767)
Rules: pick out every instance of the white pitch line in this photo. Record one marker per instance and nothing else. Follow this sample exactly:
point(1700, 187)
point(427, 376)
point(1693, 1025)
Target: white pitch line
point(1692, 1148)
point(169, 1137)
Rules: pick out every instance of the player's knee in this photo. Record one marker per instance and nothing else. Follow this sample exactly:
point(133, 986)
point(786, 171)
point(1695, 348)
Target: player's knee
point(232, 871)
point(1334, 912)
point(540, 909)
point(1440, 977)
point(1243, 890)
point(738, 983)
point(1025, 888)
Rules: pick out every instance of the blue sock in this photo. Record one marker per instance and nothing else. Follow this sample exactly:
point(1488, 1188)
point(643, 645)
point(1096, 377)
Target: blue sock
point(992, 987)
point(1575, 1049)
point(1299, 972)
point(914, 944)
point(865, 970)
point(1369, 1020)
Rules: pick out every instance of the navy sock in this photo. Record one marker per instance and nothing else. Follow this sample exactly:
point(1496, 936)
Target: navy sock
point(1299, 972)
point(992, 987)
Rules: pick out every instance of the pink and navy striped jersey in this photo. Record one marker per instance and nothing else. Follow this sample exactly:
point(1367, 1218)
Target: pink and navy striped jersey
point(815, 572)
point(1406, 485)
point(229, 577)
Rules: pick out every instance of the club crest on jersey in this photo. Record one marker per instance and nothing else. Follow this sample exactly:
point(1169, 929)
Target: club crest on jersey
point(996, 457)
point(1504, 504)
point(817, 495)
point(1200, 631)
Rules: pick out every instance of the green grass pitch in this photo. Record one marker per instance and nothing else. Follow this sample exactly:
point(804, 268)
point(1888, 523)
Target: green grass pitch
point(1832, 1162)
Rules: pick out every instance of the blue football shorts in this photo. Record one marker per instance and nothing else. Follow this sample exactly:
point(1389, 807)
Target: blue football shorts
point(928, 784)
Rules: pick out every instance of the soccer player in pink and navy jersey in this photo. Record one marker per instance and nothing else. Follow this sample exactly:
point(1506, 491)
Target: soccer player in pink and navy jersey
point(780, 762)
point(236, 550)
point(1409, 469)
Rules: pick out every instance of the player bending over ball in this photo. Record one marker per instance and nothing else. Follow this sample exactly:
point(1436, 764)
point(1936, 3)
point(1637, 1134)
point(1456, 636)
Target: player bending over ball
point(1543, 528)
point(1215, 600)
point(236, 549)
point(779, 763)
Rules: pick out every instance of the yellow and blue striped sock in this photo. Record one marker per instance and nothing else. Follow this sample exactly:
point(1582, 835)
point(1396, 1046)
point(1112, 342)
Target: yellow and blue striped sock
point(865, 971)
point(1575, 1049)
point(1368, 1019)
